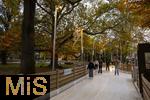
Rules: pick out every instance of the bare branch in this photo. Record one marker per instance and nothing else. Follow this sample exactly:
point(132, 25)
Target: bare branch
point(72, 2)
point(48, 12)
point(66, 13)
point(101, 32)
point(64, 40)
point(94, 33)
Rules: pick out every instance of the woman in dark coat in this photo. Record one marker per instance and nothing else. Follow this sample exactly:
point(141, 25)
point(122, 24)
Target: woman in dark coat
point(100, 66)
point(91, 68)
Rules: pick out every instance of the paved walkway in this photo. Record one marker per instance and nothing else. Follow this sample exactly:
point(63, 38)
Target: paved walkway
point(102, 87)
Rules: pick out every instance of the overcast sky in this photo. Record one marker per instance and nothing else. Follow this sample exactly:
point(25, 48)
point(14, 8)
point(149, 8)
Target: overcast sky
point(92, 1)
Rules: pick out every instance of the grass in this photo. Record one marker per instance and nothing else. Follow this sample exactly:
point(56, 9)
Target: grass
point(14, 68)
point(12, 65)
point(65, 66)
point(9, 68)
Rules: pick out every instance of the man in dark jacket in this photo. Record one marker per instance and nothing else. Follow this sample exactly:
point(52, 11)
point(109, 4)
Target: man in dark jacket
point(91, 68)
point(107, 65)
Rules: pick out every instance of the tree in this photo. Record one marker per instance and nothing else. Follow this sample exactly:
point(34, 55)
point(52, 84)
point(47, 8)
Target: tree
point(9, 27)
point(27, 59)
point(69, 16)
point(101, 18)
point(49, 7)
point(140, 12)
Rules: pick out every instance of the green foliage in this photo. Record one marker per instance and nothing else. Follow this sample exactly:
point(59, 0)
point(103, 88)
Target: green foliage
point(115, 21)
point(10, 38)
point(13, 6)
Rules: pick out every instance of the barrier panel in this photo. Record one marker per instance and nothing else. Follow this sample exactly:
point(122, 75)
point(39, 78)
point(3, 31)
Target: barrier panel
point(60, 78)
point(146, 88)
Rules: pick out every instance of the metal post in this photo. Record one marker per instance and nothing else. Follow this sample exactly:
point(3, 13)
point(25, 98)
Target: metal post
point(120, 52)
point(93, 50)
point(54, 39)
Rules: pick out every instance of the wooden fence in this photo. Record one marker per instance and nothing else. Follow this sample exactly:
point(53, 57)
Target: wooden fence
point(59, 78)
point(146, 88)
point(126, 67)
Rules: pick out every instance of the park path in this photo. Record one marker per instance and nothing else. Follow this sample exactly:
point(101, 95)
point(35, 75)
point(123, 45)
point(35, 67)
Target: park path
point(102, 87)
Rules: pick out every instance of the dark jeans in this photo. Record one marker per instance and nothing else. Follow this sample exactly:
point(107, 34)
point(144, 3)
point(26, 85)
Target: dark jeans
point(116, 71)
point(90, 72)
point(100, 70)
point(107, 68)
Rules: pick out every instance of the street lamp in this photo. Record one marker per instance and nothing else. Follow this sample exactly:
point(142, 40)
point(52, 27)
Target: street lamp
point(54, 38)
point(81, 44)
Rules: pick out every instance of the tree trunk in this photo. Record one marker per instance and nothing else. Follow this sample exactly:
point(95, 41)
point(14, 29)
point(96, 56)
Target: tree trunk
point(3, 57)
point(27, 59)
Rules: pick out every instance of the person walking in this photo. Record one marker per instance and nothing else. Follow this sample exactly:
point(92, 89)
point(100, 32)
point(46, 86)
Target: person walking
point(116, 63)
point(107, 65)
point(91, 68)
point(100, 66)
point(96, 64)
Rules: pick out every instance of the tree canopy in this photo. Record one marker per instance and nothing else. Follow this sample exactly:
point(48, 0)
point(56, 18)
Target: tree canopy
point(106, 25)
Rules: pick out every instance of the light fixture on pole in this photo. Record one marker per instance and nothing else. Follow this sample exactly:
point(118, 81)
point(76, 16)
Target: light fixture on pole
point(54, 37)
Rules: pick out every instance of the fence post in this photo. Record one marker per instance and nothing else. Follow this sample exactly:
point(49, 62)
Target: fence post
point(85, 69)
point(73, 73)
point(57, 78)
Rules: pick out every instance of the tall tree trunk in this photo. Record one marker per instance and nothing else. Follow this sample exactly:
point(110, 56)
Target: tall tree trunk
point(27, 59)
point(3, 56)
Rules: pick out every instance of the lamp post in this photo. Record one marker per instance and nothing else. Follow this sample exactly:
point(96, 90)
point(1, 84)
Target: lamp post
point(54, 38)
point(93, 49)
point(82, 45)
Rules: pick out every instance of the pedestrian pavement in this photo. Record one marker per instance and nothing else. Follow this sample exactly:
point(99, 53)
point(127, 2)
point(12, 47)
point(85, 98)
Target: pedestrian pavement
point(105, 86)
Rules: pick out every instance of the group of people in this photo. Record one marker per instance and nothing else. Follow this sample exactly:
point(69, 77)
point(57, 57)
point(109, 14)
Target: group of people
point(96, 65)
point(99, 64)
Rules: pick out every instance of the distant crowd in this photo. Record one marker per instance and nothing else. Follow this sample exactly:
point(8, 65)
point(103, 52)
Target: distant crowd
point(97, 65)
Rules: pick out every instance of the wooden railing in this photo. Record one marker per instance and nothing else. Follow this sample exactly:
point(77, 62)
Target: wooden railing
point(58, 78)
point(126, 67)
point(146, 88)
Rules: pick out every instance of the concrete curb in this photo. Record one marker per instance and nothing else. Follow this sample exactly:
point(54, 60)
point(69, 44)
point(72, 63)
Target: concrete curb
point(44, 97)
